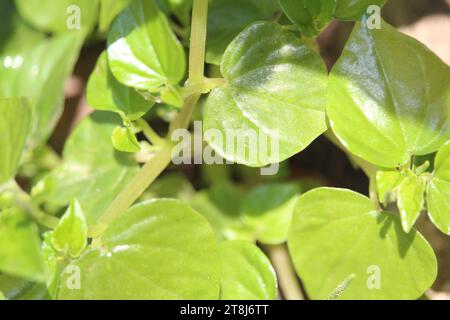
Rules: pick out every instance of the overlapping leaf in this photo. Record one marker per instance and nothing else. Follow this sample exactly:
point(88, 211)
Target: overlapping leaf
point(354, 9)
point(337, 234)
point(143, 51)
point(274, 100)
point(156, 250)
point(388, 107)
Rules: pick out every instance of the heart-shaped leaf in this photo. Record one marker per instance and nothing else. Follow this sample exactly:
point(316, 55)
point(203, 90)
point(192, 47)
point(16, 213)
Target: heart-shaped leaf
point(143, 51)
point(439, 191)
point(388, 107)
point(274, 101)
point(337, 234)
point(156, 250)
point(15, 125)
point(246, 272)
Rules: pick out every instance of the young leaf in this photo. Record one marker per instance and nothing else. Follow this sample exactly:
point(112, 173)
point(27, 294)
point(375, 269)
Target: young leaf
point(336, 233)
point(438, 194)
point(20, 246)
point(70, 236)
point(54, 58)
point(387, 184)
point(354, 9)
point(387, 107)
point(143, 52)
point(15, 125)
point(156, 250)
point(123, 139)
point(411, 200)
point(227, 18)
point(268, 211)
point(276, 89)
point(59, 16)
point(311, 16)
point(104, 92)
point(246, 273)
point(92, 171)
point(109, 9)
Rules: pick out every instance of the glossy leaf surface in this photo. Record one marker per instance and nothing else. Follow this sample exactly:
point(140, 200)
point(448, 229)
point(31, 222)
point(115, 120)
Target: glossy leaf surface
point(411, 200)
point(337, 233)
point(275, 92)
point(156, 250)
point(143, 51)
point(388, 107)
point(246, 273)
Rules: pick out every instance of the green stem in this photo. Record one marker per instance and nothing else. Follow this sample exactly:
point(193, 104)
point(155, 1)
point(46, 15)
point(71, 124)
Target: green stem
point(149, 133)
point(159, 162)
point(198, 41)
point(287, 277)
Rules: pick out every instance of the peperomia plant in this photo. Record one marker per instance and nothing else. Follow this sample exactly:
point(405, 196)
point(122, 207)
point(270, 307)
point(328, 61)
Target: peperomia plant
point(103, 220)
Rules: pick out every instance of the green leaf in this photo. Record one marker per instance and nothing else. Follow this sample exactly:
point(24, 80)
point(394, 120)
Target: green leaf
point(438, 194)
point(337, 233)
point(246, 273)
point(15, 125)
point(268, 211)
point(387, 184)
point(156, 250)
point(92, 171)
point(276, 90)
point(70, 236)
point(227, 18)
point(38, 71)
point(104, 92)
point(59, 16)
point(143, 51)
point(172, 185)
point(123, 139)
point(220, 205)
point(311, 16)
point(411, 200)
point(388, 107)
point(109, 9)
point(20, 246)
point(355, 9)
